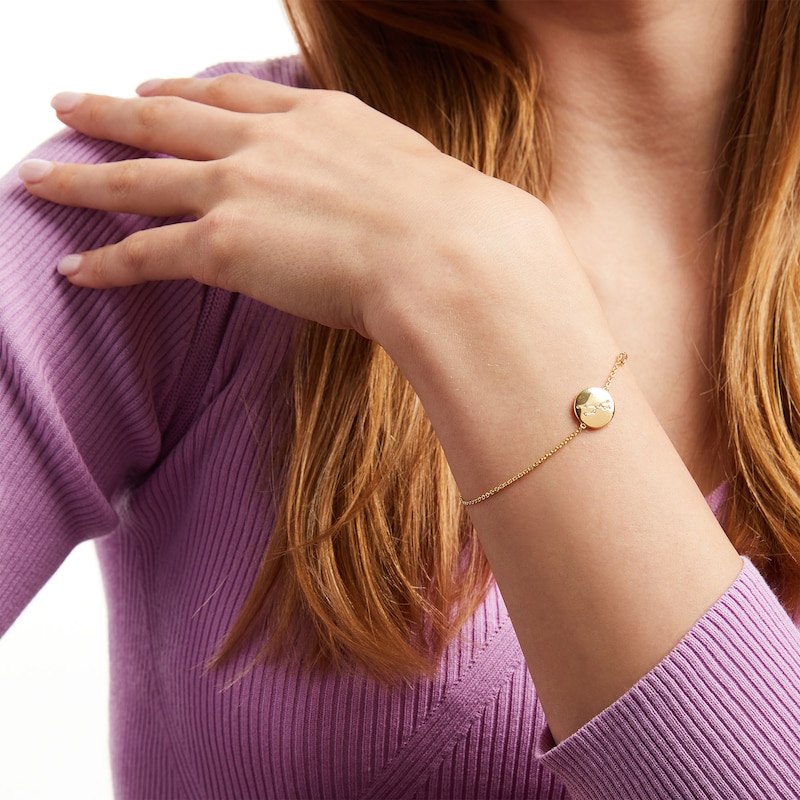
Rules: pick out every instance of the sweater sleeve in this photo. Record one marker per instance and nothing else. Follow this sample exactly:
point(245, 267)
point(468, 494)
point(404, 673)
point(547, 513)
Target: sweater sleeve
point(95, 386)
point(719, 717)
point(85, 379)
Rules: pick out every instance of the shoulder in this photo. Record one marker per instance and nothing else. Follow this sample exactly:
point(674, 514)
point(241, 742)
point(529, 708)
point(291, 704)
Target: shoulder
point(153, 335)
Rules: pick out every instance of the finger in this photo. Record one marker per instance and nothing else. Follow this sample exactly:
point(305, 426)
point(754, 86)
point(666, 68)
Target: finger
point(232, 91)
point(158, 187)
point(170, 252)
point(158, 124)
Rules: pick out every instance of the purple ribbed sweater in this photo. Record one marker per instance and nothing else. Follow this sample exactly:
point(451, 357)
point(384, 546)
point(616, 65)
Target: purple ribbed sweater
point(126, 417)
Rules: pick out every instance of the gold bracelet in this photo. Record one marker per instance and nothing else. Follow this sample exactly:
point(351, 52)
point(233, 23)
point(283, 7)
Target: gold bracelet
point(594, 408)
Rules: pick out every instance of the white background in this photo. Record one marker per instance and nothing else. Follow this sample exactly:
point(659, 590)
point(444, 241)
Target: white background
point(53, 662)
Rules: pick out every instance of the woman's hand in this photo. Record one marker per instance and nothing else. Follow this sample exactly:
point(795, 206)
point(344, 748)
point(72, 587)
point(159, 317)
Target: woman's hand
point(307, 200)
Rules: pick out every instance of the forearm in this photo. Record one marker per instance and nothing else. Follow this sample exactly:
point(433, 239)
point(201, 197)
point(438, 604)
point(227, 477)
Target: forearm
point(608, 553)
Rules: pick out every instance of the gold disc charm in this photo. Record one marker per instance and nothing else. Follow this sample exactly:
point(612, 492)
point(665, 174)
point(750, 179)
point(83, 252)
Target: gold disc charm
point(594, 407)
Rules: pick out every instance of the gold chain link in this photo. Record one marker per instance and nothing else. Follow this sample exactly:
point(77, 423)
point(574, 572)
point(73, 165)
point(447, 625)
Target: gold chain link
point(620, 360)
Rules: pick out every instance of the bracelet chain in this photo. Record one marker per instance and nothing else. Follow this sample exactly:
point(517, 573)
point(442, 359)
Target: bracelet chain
point(620, 360)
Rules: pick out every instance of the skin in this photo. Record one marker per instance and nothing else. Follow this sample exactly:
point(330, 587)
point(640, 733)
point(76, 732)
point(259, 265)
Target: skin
point(637, 93)
point(497, 307)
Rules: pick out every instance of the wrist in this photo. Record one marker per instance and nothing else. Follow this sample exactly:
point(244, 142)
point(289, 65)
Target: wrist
point(494, 262)
point(498, 343)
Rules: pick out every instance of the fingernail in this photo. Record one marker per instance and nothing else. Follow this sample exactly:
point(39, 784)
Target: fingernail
point(149, 87)
point(34, 169)
point(69, 265)
point(66, 101)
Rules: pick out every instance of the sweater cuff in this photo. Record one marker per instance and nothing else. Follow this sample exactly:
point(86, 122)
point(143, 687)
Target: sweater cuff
point(719, 717)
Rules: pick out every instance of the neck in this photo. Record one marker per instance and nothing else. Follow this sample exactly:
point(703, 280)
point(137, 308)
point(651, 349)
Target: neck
point(637, 90)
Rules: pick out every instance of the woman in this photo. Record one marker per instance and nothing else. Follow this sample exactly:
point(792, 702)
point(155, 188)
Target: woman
point(369, 654)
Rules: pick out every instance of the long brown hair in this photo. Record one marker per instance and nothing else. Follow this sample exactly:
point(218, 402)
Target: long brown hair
point(371, 562)
point(758, 282)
